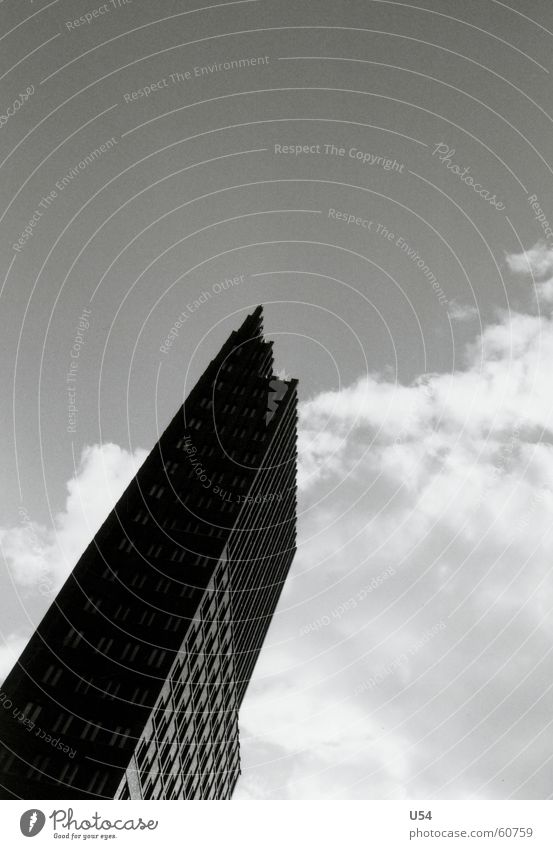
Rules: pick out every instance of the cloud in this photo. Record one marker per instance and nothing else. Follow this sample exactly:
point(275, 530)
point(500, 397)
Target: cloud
point(536, 265)
point(462, 312)
point(40, 558)
point(435, 680)
point(9, 652)
point(449, 482)
point(536, 262)
point(544, 292)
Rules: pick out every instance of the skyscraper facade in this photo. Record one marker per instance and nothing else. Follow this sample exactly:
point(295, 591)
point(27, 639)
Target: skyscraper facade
point(131, 685)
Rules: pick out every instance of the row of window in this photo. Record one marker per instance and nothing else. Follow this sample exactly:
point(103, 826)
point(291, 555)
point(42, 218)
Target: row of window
point(166, 739)
point(154, 551)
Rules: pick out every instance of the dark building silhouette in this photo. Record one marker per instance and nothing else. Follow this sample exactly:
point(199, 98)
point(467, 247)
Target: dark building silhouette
point(131, 685)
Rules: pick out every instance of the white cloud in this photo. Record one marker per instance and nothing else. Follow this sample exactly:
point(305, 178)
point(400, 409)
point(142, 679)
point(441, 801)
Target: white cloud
point(450, 482)
point(40, 558)
point(544, 292)
point(10, 649)
point(462, 312)
point(536, 264)
point(537, 261)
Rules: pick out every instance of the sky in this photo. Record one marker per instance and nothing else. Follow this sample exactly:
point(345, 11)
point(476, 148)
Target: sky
point(379, 178)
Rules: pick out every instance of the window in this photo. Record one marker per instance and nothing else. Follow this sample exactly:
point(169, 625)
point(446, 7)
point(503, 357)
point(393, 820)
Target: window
point(126, 649)
point(144, 755)
point(122, 612)
point(147, 618)
point(191, 786)
point(157, 656)
point(163, 585)
point(104, 645)
point(92, 604)
point(7, 761)
point(145, 698)
point(171, 787)
point(119, 736)
point(62, 723)
point(72, 638)
point(52, 675)
point(98, 782)
point(125, 545)
point(164, 755)
point(68, 773)
point(90, 732)
point(40, 764)
point(182, 693)
point(111, 690)
point(138, 580)
point(32, 711)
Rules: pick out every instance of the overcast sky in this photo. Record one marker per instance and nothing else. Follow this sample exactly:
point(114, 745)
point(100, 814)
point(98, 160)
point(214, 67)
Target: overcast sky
point(378, 174)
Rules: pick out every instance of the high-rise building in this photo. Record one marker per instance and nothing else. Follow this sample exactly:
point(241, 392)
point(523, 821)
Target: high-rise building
point(131, 685)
